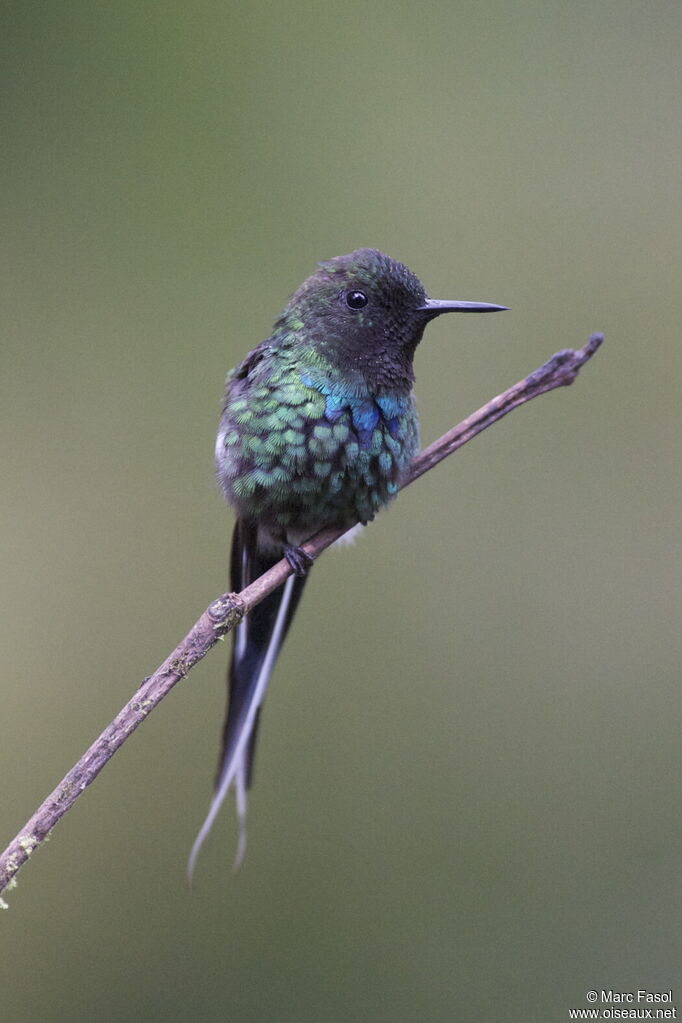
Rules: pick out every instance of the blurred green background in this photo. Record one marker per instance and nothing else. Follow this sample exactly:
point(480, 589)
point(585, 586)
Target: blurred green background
point(467, 804)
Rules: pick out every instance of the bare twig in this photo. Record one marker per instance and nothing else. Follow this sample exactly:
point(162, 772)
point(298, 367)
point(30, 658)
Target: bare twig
point(223, 614)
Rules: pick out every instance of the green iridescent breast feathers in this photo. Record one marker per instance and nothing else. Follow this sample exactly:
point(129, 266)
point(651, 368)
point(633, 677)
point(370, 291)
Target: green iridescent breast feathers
point(295, 452)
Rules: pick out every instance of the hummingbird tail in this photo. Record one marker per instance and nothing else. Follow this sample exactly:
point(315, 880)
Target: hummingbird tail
point(257, 642)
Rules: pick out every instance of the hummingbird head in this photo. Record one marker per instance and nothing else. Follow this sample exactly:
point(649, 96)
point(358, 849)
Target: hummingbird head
point(365, 313)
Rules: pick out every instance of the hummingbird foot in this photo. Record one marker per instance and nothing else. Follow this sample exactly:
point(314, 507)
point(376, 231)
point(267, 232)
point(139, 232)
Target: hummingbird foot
point(298, 559)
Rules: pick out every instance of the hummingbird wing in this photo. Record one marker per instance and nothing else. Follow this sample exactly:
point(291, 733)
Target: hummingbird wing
point(257, 642)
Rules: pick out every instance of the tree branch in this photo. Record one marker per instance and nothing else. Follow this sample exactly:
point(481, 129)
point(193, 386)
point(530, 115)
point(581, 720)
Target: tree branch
point(223, 614)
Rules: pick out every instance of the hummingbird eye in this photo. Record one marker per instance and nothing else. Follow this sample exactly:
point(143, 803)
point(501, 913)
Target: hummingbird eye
point(356, 299)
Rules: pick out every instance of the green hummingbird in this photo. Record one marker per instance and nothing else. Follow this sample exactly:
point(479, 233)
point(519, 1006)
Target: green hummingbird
point(318, 429)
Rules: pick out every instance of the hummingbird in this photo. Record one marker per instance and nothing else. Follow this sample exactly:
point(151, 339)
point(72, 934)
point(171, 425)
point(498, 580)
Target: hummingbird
point(318, 429)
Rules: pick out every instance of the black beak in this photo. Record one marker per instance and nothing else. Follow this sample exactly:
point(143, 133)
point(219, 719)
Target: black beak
point(434, 307)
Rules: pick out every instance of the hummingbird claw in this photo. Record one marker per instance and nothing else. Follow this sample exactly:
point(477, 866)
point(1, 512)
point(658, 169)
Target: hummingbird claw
point(298, 559)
